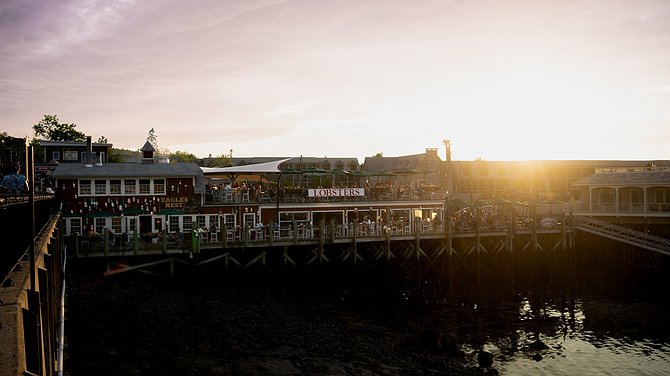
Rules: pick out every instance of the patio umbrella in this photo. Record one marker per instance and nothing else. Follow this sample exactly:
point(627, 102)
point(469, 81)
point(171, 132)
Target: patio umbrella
point(338, 172)
point(314, 171)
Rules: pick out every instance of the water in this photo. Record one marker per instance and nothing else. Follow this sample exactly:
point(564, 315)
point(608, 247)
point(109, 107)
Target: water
point(613, 322)
point(593, 336)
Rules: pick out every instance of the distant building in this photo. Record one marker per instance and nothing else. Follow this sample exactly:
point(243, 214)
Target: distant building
point(73, 152)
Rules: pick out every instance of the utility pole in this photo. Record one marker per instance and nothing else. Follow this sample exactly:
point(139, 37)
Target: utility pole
point(447, 144)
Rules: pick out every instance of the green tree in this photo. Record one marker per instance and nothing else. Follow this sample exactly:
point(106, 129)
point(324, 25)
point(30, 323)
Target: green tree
point(102, 140)
point(182, 157)
point(51, 129)
point(153, 138)
point(223, 160)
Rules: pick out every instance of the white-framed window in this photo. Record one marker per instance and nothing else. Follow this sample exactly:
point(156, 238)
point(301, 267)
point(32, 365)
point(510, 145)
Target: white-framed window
point(229, 221)
point(73, 226)
point(116, 225)
point(174, 223)
point(130, 186)
point(115, 187)
point(84, 187)
point(101, 187)
point(214, 220)
point(249, 220)
point(145, 186)
point(200, 219)
point(159, 186)
point(100, 224)
point(187, 222)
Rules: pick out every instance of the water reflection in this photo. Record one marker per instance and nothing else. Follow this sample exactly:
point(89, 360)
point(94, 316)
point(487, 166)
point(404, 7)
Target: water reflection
point(586, 335)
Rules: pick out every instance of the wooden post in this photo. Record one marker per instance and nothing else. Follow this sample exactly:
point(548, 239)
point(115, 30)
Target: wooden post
point(105, 239)
point(164, 242)
point(76, 245)
point(135, 242)
point(322, 229)
point(271, 232)
point(295, 232)
point(331, 231)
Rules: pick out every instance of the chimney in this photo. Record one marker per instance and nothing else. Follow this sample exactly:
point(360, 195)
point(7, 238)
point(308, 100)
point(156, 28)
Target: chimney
point(89, 150)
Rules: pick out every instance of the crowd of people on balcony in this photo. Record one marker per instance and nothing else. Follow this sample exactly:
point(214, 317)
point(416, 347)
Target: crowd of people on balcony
point(257, 192)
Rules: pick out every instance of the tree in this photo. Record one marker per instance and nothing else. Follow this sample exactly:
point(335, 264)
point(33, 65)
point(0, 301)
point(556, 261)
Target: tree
point(51, 129)
point(153, 138)
point(223, 160)
point(378, 155)
point(102, 140)
point(182, 157)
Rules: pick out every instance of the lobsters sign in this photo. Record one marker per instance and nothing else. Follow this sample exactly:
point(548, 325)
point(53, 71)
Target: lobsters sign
point(336, 192)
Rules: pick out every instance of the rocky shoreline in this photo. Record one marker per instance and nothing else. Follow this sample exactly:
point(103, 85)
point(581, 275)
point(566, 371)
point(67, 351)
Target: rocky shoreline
point(138, 325)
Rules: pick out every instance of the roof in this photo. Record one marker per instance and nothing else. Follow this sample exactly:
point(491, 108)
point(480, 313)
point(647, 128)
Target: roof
point(415, 161)
point(259, 168)
point(148, 147)
point(131, 170)
point(631, 178)
point(45, 143)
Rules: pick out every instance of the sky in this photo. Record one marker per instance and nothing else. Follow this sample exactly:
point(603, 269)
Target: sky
point(500, 79)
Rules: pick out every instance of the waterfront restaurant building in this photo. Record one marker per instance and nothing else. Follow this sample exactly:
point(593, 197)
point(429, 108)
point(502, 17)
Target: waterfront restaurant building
point(128, 198)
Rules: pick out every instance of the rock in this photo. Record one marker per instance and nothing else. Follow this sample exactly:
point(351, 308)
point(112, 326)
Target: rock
point(537, 357)
point(485, 359)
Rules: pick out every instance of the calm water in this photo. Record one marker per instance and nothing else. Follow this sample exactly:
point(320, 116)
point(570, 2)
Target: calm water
point(591, 336)
point(612, 321)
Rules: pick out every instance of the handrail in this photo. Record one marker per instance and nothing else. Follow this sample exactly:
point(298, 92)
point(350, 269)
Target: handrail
point(623, 234)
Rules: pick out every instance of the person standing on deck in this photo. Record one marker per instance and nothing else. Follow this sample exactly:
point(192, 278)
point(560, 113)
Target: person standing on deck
point(14, 183)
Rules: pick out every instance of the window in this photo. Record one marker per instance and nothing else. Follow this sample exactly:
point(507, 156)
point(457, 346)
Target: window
point(159, 186)
point(145, 186)
point(84, 157)
point(249, 220)
point(115, 187)
point(74, 226)
point(100, 224)
point(55, 156)
point(101, 187)
point(214, 221)
point(174, 223)
point(84, 187)
point(188, 221)
point(129, 187)
point(229, 220)
point(200, 219)
point(116, 225)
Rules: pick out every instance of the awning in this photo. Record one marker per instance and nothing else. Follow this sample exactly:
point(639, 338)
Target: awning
point(258, 168)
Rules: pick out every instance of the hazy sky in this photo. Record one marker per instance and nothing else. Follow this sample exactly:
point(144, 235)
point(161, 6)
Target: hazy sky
point(502, 79)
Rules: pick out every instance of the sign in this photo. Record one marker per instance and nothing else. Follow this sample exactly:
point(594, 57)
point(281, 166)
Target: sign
point(336, 192)
point(70, 155)
point(173, 202)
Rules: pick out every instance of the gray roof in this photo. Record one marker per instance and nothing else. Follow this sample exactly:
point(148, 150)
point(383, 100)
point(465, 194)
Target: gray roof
point(44, 143)
point(148, 147)
point(632, 178)
point(131, 170)
point(378, 164)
